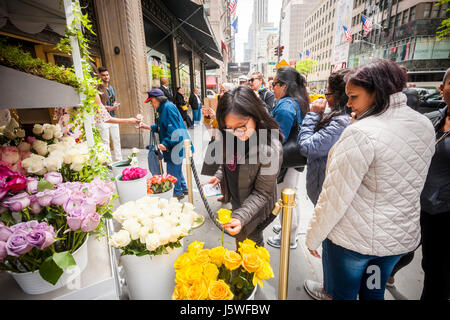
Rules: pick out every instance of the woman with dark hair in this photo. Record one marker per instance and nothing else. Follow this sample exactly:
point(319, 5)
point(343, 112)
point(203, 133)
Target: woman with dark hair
point(252, 156)
point(181, 103)
point(258, 85)
point(367, 215)
point(318, 134)
point(292, 106)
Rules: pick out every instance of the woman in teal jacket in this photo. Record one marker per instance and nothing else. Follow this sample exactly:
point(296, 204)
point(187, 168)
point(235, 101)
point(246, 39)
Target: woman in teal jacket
point(172, 132)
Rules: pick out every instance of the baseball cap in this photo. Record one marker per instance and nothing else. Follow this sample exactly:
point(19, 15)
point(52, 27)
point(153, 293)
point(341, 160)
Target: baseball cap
point(153, 93)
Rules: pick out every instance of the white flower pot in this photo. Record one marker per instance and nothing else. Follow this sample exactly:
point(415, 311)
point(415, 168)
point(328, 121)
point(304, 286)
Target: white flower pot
point(165, 195)
point(118, 166)
point(151, 278)
point(252, 296)
point(32, 282)
point(131, 190)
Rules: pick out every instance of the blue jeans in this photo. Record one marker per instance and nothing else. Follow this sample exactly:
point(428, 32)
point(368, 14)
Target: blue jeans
point(197, 114)
point(176, 170)
point(348, 273)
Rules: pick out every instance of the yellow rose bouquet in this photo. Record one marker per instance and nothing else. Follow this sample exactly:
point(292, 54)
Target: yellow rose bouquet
point(219, 273)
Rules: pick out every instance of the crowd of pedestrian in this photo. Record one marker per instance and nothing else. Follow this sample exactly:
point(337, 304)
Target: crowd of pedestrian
point(377, 171)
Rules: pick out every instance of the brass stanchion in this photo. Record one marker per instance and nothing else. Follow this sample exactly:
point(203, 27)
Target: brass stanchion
point(188, 153)
point(288, 199)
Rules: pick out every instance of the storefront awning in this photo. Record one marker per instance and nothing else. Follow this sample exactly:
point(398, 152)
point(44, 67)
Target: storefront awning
point(211, 81)
point(33, 16)
point(196, 24)
point(210, 64)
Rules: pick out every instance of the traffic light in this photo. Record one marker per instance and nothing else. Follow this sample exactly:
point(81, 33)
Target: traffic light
point(280, 51)
point(277, 51)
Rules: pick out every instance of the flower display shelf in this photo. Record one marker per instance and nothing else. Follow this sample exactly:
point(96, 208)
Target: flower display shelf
point(99, 280)
point(41, 93)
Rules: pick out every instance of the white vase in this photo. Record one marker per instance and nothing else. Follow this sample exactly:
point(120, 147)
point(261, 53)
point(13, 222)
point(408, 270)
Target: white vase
point(165, 195)
point(252, 296)
point(151, 278)
point(32, 282)
point(131, 190)
point(118, 166)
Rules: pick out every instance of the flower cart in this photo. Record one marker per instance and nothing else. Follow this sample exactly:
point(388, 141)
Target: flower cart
point(44, 241)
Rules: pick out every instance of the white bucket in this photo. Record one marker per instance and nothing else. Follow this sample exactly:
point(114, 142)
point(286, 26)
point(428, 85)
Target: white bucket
point(165, 195)
point(32, 282)
point(131, 190)
point(118, 166)
point(151, 278)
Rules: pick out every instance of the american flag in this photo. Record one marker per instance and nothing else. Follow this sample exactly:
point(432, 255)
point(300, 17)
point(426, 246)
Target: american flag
point(367, 25)
point(348, 34)
point(232, 6)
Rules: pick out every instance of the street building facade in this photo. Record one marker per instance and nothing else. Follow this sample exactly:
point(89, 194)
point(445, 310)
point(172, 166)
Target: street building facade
point(403, 31)
point(321, 39)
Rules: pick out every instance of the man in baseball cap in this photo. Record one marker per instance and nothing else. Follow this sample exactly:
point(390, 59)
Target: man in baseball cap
point(170, 126)
point(153, 93)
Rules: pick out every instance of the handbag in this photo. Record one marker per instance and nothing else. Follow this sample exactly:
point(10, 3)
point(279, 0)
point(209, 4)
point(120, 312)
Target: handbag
point(154, 156)
point(292, 157)
point(184, 107)
point(210, 169)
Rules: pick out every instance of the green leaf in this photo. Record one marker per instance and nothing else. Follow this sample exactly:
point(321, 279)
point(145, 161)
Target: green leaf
point(50, 271)
point(64, 260)
point(44, 185)
point(7, 218)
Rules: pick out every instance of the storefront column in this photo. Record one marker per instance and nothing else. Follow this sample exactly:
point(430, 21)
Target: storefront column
point(122, 36)
point(175, 71)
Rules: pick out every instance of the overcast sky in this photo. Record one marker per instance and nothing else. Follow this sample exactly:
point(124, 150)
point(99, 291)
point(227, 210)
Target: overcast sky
point(245, 13)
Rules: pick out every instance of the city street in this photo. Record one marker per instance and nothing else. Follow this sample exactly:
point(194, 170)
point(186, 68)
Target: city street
point(408, 281)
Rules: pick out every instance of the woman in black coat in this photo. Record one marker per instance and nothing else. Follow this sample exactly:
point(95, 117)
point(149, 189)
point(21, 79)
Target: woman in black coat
point(180, 102)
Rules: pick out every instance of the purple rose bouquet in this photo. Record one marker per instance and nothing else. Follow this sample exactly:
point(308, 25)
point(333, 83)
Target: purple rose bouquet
point(54, 219)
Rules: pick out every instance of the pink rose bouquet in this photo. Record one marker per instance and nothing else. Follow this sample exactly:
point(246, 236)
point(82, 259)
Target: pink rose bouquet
point(133, 173)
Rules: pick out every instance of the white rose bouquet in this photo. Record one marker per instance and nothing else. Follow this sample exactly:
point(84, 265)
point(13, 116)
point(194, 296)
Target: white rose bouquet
point(150, 225)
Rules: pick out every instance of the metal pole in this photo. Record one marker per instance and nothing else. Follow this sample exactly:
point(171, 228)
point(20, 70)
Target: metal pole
point(188, 153)
point(288, 198)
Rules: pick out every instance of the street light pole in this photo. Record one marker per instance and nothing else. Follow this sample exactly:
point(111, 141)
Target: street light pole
point(279, 32)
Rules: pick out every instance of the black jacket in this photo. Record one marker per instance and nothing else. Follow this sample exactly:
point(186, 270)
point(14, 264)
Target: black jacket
point(193, 102)
point(412, 98)
point(435, 197)
point(268, 98)
point(167, 93)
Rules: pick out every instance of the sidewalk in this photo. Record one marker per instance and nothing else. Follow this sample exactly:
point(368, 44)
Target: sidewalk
point(408, 281)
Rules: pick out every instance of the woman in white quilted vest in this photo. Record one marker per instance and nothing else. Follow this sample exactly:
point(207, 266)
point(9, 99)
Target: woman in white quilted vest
point(368, 213)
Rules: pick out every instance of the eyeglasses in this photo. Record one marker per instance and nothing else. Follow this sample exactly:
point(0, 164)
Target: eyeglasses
point(275, 83)
point(252, 79)
point(328, 94)
point(240, 130)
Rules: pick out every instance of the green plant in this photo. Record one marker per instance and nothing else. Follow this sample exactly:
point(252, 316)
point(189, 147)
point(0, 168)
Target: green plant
point(16, 58)
point(444, 28)
point(306, 66)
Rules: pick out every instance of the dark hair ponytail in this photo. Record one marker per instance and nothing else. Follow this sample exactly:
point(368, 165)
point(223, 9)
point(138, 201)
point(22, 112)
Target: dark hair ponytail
point(296, 87)
point(337, 85)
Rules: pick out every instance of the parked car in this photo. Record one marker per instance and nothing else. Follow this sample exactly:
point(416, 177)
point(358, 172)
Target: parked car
point(425, 91)
point(431, 102)
point(210, 93)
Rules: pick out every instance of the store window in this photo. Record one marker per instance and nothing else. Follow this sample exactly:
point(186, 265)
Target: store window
point(423, 49)
point(412, 13)
point(398, 20)
point(440, 49)
point(435, 11)
point(158, 67)
point(444, 10)
point(427, 10)
point(405, 17)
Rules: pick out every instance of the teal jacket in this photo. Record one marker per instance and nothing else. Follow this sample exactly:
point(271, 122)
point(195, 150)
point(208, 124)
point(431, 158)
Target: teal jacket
point(172, 132)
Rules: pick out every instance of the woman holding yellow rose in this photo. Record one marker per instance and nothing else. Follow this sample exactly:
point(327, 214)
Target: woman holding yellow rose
point(248, 175)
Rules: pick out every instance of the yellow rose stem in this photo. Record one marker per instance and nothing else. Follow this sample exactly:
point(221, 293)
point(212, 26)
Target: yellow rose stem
point(223, 232)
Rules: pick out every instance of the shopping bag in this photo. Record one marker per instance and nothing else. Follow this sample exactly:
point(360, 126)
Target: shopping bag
point(154, 157)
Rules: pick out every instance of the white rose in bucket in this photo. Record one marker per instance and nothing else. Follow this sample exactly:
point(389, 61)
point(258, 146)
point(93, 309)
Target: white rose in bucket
point(38, 129)
point(152, 242)
point(175, 233)
point(123, 212)
point(143, 233)
point(187, 219)
point(133, 227)
point(40, 147)
point(163, 203)
point(52, 163)
point(48, 134)
point(147, 222)
point(120, 239)
point(164, 236)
